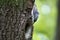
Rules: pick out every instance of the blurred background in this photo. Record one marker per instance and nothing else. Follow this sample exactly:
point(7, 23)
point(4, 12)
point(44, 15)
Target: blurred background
point(45, 26)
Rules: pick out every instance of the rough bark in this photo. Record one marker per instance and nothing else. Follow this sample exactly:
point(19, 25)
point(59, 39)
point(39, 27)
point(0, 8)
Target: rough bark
point(14, 14)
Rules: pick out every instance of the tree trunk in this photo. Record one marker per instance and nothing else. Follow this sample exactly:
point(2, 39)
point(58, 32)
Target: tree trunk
point(14, 15)
point(58, 22)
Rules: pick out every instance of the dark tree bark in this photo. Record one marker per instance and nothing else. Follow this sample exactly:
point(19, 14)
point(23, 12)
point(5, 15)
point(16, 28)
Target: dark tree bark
point(14, 16)
point(58, 22)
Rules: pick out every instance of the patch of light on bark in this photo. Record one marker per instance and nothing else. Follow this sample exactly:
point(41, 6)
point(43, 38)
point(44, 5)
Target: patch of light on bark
point(28, 33)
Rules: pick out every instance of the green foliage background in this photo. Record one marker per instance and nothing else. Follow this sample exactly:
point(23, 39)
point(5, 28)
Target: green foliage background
point(45, 26)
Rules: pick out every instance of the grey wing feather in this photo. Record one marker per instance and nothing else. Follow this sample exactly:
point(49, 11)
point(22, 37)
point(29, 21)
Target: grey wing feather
point(35, 13)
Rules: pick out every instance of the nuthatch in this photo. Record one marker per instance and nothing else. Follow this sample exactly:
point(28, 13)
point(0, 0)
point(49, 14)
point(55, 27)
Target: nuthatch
point(34, 19)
